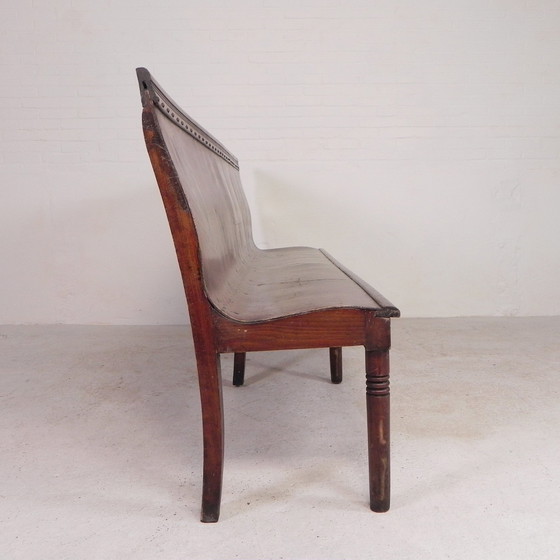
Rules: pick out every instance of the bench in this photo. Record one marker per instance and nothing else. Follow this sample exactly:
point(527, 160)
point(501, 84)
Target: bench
point(243, 299)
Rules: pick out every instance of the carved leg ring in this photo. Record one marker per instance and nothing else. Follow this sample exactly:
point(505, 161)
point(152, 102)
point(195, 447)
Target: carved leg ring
point(377, 398)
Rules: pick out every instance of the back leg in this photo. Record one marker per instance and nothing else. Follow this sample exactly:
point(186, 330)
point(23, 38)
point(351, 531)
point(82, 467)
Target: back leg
point(210, 383)
point(336, 364)
point(239, 369)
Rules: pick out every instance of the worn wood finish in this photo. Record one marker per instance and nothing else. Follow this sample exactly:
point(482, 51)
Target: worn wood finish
point(242, 299)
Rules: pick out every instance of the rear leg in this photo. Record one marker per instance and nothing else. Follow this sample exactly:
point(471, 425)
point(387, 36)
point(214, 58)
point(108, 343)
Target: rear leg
point(336, 364)
point(239, 369)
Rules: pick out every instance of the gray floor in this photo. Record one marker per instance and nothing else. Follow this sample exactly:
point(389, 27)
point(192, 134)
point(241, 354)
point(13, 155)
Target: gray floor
point(101, 448)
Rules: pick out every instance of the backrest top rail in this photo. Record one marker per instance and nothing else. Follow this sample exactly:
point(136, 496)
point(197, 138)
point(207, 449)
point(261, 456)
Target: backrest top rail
point(174, 113)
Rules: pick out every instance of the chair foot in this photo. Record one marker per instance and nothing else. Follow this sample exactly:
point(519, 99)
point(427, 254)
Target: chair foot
point(211, 491)
point(379, 507)
point(335, 355)
point(377, 398)
point(239, 369)
point(210, 516)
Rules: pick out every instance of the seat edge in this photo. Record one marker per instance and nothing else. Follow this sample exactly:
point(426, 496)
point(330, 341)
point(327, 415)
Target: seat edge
point(386, 308)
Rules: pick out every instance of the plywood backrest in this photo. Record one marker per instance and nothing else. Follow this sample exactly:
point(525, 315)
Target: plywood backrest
point(205, 176)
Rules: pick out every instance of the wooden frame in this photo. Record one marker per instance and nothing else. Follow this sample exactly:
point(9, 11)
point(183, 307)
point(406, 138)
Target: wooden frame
point(242, 299)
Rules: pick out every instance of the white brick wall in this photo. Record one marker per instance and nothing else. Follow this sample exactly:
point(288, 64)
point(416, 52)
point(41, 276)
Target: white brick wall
point(416, 141)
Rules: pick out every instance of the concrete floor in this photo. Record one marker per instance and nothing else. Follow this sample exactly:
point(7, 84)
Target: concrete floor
point(100, 447)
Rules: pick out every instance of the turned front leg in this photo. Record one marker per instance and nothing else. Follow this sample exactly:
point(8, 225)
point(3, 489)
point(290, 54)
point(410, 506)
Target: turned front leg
point(377, 398)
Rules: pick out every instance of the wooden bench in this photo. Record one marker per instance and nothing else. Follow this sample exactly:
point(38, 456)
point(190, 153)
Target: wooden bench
point(242, 299)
